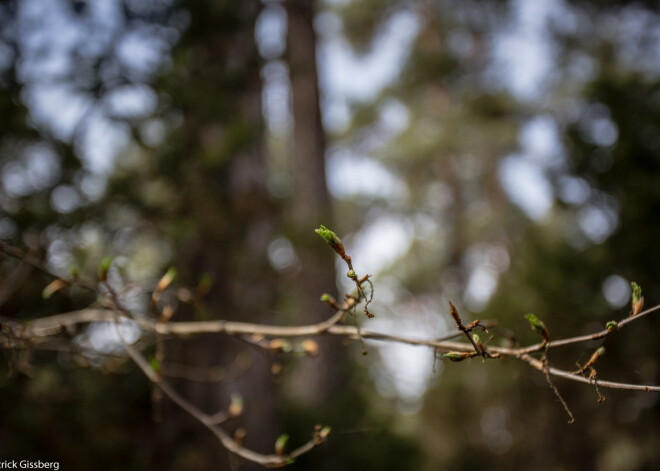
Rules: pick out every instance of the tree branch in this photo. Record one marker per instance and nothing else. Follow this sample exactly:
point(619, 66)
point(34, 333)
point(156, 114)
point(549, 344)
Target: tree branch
point(52, 325)
point(38, 332)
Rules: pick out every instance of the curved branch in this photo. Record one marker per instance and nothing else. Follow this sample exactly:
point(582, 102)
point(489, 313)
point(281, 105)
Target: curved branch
point(270, 461)
point(210, 422)
point(51, 325)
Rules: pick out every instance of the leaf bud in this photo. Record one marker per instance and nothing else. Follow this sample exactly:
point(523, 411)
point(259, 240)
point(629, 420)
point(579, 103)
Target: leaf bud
point(332, 240)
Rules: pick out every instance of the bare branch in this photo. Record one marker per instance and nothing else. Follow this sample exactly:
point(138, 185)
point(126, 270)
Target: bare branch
point(51, 325)
point(211, 421)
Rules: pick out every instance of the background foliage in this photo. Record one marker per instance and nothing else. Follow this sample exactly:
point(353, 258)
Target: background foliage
point(501, 154)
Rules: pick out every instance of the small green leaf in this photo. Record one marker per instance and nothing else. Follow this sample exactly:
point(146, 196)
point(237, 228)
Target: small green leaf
point(105, 263)
point(454, 356)
point(327, 235)
point(280, 443)
point(104, 266)
point(332, 240)
point(637, 298)
point(636, 292)
point(534, 321)
point(537, 325)
point(325, 431)
point(476, 338)
point(155, 364)
point(612, 326)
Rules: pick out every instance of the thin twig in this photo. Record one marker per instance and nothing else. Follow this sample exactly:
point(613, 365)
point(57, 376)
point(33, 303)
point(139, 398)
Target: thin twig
point(38, 264)
point(589, 337)
point(467, 330)
point(548, 380)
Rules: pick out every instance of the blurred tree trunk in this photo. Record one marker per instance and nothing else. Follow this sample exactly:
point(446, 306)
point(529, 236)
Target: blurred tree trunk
point(311, 201)
point(223, 224)
point(317, 378)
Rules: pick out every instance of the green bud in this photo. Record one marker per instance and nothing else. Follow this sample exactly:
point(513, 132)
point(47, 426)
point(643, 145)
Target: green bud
point(637, 299)
point(104, 266)
point(325, 297)
point(332, 240)
point(155, 364)
point(636, 292)
point(454, 356)
point(600, 351)
point(327, 235)
point(612, 326)
point(325, 431)
point(476, 338)
point(351, 274)
point(280, 443)
point(537, 325)
point(534, 321)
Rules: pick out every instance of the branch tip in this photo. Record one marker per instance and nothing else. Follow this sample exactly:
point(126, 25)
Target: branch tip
point(332, 240)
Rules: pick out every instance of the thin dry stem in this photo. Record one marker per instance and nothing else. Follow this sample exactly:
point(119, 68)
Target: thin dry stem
point(48, 326)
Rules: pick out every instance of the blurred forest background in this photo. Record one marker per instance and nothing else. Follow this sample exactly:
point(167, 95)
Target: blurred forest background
point(504, 155)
